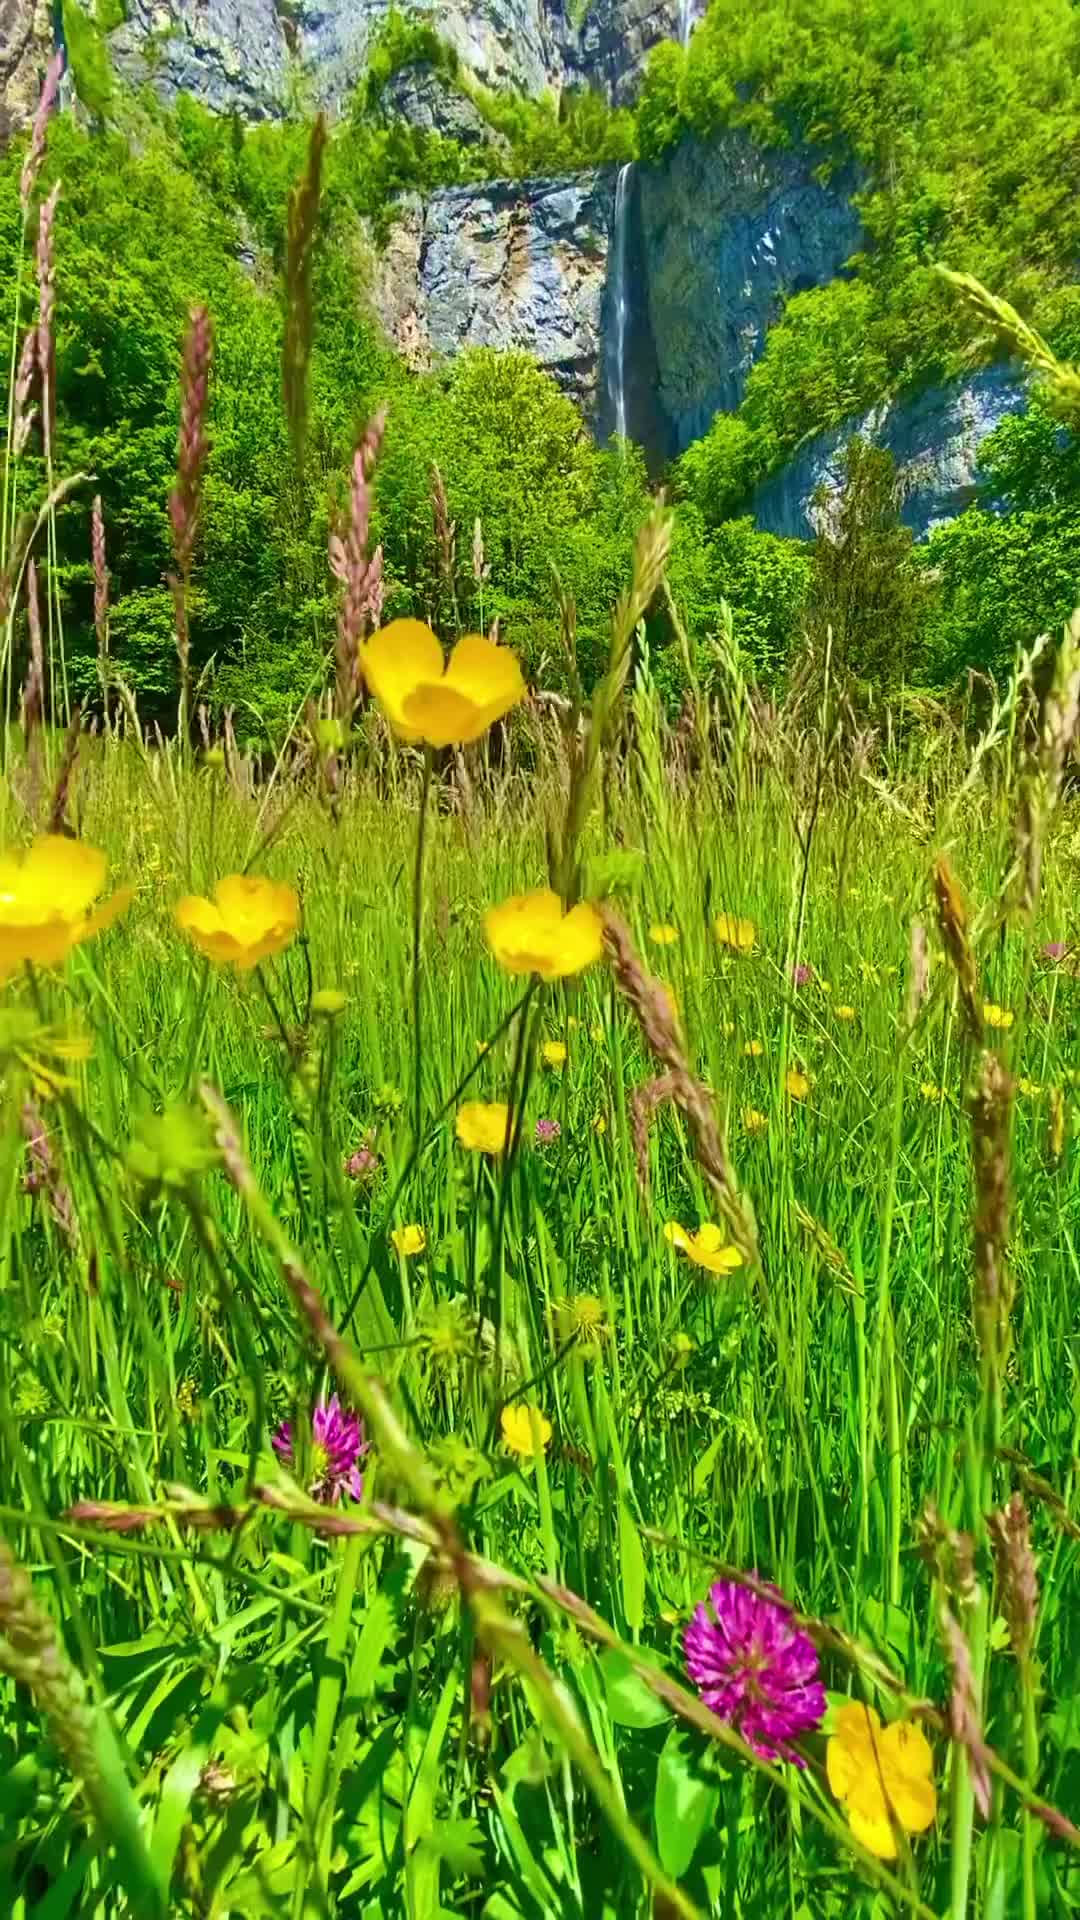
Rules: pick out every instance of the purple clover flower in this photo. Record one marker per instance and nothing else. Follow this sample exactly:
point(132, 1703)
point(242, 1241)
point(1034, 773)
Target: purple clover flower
point(363, 1164)
point(338, 1443)
point(546, 1132)
point(802, 974)
point(1054, 950)
point(755, 1669)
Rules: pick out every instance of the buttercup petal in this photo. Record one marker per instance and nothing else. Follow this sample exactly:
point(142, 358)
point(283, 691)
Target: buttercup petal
point(394, 662)
point(61, 876)
point(442, 716)
point(488, 676)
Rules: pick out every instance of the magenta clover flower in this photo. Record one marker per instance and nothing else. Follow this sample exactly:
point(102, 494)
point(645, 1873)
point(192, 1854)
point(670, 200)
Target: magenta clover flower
point(337, 1444)
point(755, 1669)
point(802, 974)
point(546, 1132)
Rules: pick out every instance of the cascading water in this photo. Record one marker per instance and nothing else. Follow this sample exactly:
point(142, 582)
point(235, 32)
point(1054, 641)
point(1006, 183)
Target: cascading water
point(620, 296)
point(687, 16)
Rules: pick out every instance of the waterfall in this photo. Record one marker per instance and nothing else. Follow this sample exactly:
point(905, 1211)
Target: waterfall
point(620, 295)
point(686, 21)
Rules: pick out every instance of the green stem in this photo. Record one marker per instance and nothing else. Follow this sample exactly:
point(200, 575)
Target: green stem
point(418, 921)
point(318, 1807)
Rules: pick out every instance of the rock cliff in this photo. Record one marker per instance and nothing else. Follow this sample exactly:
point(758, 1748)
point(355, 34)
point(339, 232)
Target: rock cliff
point(510, 264)
point(729, 230)
point(26, 40)
point(261, 57)
point(933, 435)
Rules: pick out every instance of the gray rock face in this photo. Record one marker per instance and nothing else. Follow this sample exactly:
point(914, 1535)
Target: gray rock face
point(26, 43)
point(262, 57)
point(934, 437)
point(729, 231)
point(605, 45)
point(511, 264)
point(421, 96)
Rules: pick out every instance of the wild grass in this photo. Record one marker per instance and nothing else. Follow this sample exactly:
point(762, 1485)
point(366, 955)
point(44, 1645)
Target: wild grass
point(318, 1723)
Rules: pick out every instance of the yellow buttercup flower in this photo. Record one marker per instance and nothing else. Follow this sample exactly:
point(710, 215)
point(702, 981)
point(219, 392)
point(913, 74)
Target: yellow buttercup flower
point(733, 932)
point(844, 1012)
point(329, 1002)
point(753, 1120)
point(663, 935)
point(753, 1049)
point(600, 1123)
point(797, 1083)
point(706, 1248)
point(881, 1775)
point(1029, 1088)
point(554, 1053)
point(931, 1092)
point(518, 1430)
point(444, 703)
point(248, 920)
point(996, 1016)
point(530, 933)
point(47, 900)
point(409, 1241)
point(483, 1126)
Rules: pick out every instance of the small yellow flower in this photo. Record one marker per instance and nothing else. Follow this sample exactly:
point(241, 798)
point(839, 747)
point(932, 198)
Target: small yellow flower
point(248, 920)
point(733, 932)
point(881, 1775)
point(663, 935)
point(46, 896)
point(600, 1123)
point(797, 1083)
point(483, 1126)
point(554, 1053)
point(753, 1049)
point(754, 1121)
point(996, 1016)
point(825, 986)
point(932, 1093)
point(706, 1248)
point(409, 1241)
point(844, 1012)
point(530, 933)
point(1029, 1088)
point(519, 1433)
point(426, 698)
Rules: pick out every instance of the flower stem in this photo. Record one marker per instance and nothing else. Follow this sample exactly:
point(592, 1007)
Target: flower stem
point(418, 920)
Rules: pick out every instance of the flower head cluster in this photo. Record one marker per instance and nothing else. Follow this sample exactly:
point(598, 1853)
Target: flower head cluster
point(547, 1131)
point(47, 901)
point(337, 1447)
point(755, 1668)
point(882, 1776)
point(248, 920)
point(444, 703)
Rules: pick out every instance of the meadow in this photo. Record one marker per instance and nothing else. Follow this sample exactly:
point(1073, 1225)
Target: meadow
point(468, 1691)
point(538, 1258)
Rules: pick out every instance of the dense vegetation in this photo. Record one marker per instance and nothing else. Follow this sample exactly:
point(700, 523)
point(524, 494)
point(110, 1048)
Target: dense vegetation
point(163, 208)
point(958, 120)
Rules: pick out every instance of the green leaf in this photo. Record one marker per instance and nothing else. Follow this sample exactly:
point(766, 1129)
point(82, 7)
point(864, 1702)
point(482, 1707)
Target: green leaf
point(629, 1701)
point(685, 1802)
